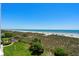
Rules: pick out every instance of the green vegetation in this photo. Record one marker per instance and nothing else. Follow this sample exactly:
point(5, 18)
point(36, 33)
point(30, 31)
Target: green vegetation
point(60, 52)
point(36, 47)
point(17, 49)
point(27, 44)
point(8, 34)
point(6, 41)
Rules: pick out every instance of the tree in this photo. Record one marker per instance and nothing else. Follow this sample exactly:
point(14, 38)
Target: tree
point(60, 52)
point(36, 47)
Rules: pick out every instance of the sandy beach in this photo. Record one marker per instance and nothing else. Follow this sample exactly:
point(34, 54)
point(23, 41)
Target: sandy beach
point(75, 35)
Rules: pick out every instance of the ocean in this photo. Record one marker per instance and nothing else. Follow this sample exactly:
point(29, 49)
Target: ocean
point(57, 31)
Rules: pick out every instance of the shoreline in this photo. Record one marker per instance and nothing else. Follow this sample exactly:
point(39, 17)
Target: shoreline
point(55, 33)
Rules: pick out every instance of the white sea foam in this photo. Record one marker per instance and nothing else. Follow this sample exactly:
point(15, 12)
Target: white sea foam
point(75, 35)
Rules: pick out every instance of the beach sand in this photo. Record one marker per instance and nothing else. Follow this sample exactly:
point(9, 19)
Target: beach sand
point(56, 33)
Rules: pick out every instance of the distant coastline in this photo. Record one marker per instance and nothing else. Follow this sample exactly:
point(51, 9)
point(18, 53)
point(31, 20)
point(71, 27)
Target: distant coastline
point(67, 33)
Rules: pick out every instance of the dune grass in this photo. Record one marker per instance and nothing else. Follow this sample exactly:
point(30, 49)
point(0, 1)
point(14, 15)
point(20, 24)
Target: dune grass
point(50, 43)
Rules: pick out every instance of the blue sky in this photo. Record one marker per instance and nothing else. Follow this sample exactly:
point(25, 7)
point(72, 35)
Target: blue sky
point(40, 16)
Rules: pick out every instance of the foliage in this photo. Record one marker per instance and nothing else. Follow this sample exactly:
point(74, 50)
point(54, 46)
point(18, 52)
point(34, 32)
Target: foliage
point(9, 34)
point(2, 35)
point(50, 41)
point(60, 52)
point(17, 49)
point(36, 40)
point(36, 47)
point(6, 41)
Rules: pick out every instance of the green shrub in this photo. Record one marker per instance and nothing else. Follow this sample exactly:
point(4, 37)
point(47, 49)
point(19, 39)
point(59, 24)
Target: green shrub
point(36, 40)
point(2, 35)
point(60, 52)
point(9, 34)
point(6, 41)
point(36, 47)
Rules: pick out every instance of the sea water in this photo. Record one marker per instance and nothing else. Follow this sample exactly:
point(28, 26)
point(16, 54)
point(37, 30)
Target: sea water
point(51, 31)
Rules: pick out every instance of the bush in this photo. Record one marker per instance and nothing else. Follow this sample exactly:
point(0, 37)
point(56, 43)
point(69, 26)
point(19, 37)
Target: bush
point(36, 40)
point(2, 35)
point(36, 47)
point(6, 41)
point(60, 52)
point(8, 34)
